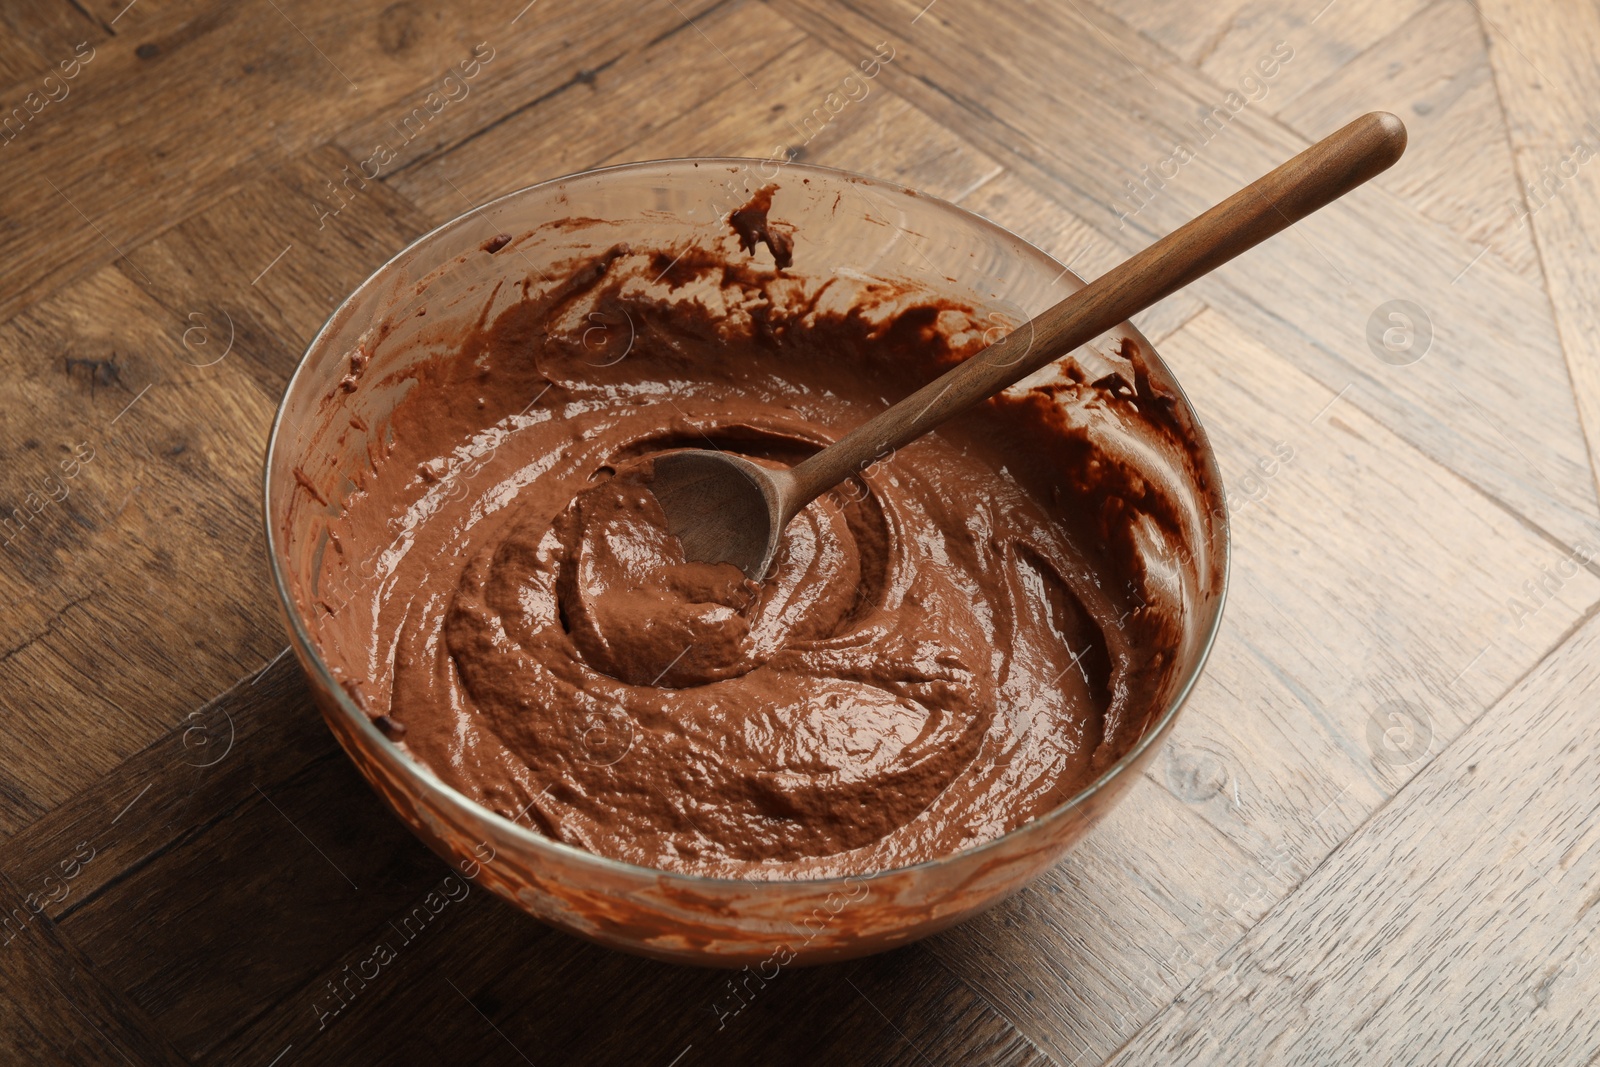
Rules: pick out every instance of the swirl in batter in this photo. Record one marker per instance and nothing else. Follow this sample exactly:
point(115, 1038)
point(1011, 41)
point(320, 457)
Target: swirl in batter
point(951, 643)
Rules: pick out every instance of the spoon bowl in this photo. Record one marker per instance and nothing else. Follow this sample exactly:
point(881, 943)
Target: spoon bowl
point(723, 508)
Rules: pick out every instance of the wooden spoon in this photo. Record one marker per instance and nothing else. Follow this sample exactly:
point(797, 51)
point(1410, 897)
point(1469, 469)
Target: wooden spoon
point(724, 508)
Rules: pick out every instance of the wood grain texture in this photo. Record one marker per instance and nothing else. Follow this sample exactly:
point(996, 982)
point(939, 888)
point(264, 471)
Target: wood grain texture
point(1326, 36)
point(35, 40)
point(134, 587)
point(862, 135)
point(1033, 216)
point(1460, 920)
point(266, 266)
point(1225, 39)
point(585, 122)
point(289, 74)
point(1373, 834)
point(1547, 90)
point(1459, 169)
point(90, 1022)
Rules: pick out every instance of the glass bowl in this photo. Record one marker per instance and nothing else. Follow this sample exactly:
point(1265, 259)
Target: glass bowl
point(852, 230)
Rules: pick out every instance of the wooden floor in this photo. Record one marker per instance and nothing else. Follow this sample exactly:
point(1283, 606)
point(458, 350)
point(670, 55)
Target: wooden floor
point(1373, 837)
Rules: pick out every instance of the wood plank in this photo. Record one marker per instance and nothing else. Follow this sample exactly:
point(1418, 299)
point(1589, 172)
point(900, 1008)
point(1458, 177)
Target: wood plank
point(581, 123)
point(1314, 293)
point(1325, 37)
point(128, 19)
point(268, 264)
point(898, 143)
point(282, 866)
point(1458, 169)
point(1035, 217)
point(495, 987)
point(238, 301)
point(55, 1009)
point(552, 51)
point(1288, 743)
point(873, 132)
point(411, 1006)
point(1081, 958)
point(1188, 32)
point(1385, 608)
point(136, 585)
point(34, 43)
point(276, 79)
point(1458, 926)
point(188, 778)
point(1544, 77)
point(1224, 40)
point(879, 134)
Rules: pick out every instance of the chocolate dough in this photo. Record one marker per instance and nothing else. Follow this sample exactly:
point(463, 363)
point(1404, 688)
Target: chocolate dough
point(953, 642)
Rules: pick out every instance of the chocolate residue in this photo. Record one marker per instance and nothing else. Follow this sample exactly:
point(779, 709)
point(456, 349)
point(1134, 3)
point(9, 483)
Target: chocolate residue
point(496, 243)
point(752, 227)
point(955, 641)
point(305, 482)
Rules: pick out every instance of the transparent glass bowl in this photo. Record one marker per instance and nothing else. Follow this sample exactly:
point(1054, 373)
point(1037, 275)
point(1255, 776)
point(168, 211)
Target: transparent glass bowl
point(852, 229)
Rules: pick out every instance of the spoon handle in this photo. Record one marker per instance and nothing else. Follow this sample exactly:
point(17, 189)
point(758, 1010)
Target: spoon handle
point(1314, 178)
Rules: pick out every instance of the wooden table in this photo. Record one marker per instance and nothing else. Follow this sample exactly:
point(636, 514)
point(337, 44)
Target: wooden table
point(1373, 835)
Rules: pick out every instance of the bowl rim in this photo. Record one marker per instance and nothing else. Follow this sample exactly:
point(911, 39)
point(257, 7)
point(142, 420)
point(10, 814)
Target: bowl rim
point(427, 783)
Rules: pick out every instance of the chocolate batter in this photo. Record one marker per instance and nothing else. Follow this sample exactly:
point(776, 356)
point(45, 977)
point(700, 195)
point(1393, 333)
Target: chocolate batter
point(951, 644)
